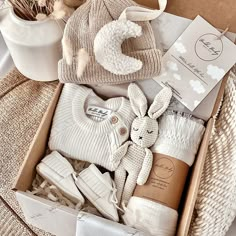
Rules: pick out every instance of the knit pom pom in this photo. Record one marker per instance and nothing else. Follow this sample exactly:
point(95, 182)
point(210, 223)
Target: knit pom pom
point(83, 60)
point(67, 50)
point(60, 10)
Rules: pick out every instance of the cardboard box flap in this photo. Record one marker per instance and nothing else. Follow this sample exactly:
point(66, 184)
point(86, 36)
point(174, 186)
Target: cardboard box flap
point(220, 96)
point(37, 148)
point(221, 14)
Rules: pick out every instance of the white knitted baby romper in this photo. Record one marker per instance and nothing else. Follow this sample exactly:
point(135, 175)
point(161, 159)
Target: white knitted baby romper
point(85, 127)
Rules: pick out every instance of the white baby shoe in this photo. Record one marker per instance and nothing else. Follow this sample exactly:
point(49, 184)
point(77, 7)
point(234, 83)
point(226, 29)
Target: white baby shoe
point(58, 171)
point(100, 190)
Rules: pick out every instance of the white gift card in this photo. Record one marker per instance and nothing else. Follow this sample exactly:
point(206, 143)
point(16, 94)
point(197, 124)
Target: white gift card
point(196, 62)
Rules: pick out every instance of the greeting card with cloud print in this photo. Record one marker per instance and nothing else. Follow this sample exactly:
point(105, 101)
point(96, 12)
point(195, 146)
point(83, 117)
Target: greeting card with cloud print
point(196, 62)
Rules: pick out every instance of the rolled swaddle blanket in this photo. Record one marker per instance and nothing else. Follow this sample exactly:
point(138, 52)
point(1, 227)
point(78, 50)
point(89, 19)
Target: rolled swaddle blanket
point(150, 217)
point(153, 207)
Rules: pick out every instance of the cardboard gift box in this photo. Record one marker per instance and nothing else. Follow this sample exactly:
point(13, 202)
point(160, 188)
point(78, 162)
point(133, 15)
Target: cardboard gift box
point(60, 220)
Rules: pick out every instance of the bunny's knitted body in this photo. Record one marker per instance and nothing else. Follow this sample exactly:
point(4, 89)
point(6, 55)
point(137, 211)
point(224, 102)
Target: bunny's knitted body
point(136, 157)
point(138, 169)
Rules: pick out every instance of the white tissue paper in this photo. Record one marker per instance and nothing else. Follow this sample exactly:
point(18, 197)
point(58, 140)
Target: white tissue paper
point(90, 225)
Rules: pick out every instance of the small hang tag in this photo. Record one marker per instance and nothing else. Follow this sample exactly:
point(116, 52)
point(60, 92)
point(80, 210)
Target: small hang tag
point(196, 63)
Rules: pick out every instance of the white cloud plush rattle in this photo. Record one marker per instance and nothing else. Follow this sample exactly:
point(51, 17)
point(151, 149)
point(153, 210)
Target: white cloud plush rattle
point(136, 157)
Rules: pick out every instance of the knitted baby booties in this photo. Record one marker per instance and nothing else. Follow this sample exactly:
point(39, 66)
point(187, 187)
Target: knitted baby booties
point(136, 158)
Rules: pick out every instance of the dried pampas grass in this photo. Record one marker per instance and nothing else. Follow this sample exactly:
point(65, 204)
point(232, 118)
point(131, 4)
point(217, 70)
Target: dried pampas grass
point(67, 50)
point(83, 60)
point(60, 10)
point(40, 9)
point(41, 16)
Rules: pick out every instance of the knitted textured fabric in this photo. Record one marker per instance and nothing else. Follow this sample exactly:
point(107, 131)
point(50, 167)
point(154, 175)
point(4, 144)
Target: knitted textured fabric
point(22, 106)
point(136, 157)
point(77, 133)
point(215, 207)
point(179, 136)
point(80, 32)
point(10, 224)
point(19, 97)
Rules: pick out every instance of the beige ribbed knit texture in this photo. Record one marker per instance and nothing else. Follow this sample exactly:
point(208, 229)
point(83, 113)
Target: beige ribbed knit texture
point(10, 224)
point(22, 106)
point(215, 208)
point(77, 136)
point(81, 30)
point(130, 167)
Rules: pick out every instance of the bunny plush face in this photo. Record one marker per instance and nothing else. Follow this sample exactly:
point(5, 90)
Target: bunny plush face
point(144, 131)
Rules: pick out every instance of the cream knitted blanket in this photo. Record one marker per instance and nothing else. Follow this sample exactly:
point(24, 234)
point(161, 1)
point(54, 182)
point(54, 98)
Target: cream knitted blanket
point(215, 208)
point(10, 224)
point(22, 105)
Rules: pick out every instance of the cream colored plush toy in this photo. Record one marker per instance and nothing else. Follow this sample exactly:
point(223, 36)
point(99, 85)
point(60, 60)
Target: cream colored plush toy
point(136, 157)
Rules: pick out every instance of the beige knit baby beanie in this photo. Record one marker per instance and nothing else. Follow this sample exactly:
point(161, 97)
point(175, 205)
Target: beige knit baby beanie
point(80, 33)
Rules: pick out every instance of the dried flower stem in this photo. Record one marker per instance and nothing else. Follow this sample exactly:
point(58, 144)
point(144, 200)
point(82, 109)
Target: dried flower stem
point(28, 9)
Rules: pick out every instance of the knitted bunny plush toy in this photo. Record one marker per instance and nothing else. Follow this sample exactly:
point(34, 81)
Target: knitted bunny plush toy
point(136, 157)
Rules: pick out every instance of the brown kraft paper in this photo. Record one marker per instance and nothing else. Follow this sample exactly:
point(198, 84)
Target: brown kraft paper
point(166, 181)
point(221, 14)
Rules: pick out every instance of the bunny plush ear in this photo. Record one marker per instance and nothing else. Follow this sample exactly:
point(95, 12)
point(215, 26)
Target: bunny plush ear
point(160, 103)
point(138, 100)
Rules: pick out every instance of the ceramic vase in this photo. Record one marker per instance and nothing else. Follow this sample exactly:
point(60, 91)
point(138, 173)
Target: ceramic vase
point(35, 46)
